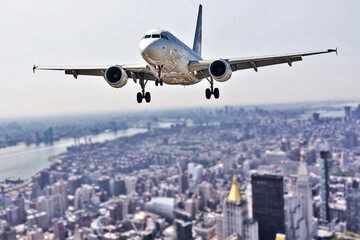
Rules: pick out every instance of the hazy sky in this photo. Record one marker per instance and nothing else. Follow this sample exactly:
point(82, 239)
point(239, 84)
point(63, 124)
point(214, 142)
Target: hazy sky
point(87, 32)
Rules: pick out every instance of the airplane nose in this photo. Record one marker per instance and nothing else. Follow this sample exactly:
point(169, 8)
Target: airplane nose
point(149, 47)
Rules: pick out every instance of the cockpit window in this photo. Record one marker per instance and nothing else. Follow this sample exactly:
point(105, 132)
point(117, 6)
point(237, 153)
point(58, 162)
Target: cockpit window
point(147, 36)
point(156, 36)
point(164, 37)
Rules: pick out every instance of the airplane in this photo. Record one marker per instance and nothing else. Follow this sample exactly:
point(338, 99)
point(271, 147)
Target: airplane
point(171, 61)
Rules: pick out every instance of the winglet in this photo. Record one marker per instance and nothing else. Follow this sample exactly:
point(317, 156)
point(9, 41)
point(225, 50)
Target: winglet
point(333, 50)
point(198, 32)
point(34, 68)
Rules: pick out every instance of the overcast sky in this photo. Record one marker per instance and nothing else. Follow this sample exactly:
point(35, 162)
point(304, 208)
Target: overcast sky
point(87, 32)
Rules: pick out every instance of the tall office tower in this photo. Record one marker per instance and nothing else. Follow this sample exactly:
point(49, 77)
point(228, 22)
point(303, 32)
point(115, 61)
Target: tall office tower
point(285, 145)
point(183, 229)
point(353, 206)
point(58, 204)
point(83, 196)
point(20, 203)
point(235, 211)
point(350, 140)
point(6, 232)
point(294, 221)
point(192, 205)
point(130, 184)
point(183, 183)
point(47, 205)
point(59, 229)
point(116, 211)
point(235, 218)
point(73, 183)
point(316, 117)
point(226, 161)
point(324, 188)
point(303, 189)
point(268, 204)
point(61, 188)
point(204, 190)
point(44, 178)
point(311, 156)
point(195, 171)
point(12, 215)
point(104, 183)
point(119, 186)
point(347, 113)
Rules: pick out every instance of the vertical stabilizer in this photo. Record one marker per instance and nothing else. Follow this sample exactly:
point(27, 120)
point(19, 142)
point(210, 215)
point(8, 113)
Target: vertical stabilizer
point(198, 32)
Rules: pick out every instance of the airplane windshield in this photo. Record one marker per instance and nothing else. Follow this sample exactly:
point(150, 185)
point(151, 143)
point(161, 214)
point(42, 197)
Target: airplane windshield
point(156, 36)
point(147, 36)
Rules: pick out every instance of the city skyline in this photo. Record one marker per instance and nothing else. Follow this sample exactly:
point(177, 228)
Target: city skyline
point(57, 35)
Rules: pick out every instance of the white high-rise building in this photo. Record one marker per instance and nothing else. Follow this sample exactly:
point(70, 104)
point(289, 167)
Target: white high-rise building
point(83, 196)
point(235, 218)
point(303, 189)
point(294, 221)
point(195, 171)
point(61, 187)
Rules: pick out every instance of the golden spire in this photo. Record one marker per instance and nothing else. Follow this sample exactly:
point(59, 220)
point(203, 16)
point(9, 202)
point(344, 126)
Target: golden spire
point(302, 154)
point(234, 194)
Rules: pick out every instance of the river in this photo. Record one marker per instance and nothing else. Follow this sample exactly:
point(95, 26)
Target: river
point(25, 161)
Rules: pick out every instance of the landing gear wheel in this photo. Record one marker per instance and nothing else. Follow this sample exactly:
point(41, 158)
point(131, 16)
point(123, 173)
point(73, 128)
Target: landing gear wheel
point(216, 93)
point(139, 97)
point(156, 82)
point(208, 93)
point(147, 97)
point(161, 82)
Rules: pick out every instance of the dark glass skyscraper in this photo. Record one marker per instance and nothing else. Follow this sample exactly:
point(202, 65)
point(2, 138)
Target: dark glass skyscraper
point(324, 188)
point(268, 204)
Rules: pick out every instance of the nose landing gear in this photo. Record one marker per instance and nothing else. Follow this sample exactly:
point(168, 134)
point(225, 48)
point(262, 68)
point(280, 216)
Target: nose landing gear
point(159, 80)
point(143, 95)
point(212, 91)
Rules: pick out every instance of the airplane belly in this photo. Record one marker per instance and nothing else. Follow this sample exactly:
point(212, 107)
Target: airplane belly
point(170, 62)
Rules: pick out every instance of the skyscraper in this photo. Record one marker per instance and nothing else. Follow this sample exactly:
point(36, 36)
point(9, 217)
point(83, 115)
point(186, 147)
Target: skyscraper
point(104, 183)
point(195, 171)
point(183, 229)
point(20, 203)
point(61, 188)
point(59, 229)
point(347, 113)
point(268, 204)
point(353, 206)
point(294, 221)
point(235, 218)
point(324, 188)
point(303, 189)
point(119, 186)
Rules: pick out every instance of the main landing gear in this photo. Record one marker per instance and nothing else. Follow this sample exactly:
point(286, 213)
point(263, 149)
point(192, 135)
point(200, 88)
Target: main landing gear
point(143, 95)
point(212, 91)
point(159, 80)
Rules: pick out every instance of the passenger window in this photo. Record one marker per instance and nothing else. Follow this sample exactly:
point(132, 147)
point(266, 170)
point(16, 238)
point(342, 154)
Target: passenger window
point(147, 36)
point(156, 36)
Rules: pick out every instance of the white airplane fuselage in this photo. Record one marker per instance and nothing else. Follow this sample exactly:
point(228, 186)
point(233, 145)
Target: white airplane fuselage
point(161, 48)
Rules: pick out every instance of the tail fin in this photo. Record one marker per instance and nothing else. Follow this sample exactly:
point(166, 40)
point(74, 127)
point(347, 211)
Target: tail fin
point(198, 32)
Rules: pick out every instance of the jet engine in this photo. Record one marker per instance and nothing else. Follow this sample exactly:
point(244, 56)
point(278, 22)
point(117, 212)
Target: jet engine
point(116, 76)
point(220, 70)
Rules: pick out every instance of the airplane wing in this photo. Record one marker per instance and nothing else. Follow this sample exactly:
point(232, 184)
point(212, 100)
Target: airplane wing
point(202, 66)
point(133, 71)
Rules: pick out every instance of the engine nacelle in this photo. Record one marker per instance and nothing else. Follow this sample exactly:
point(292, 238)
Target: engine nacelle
point(220, 70)
point(116, 76)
